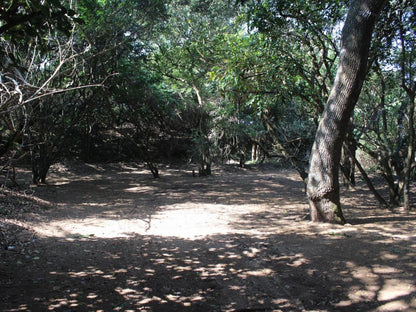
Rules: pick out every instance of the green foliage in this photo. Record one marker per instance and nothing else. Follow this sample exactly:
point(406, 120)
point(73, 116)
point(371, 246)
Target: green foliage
point(193, 79)
point(27, 19)
point(386, 110)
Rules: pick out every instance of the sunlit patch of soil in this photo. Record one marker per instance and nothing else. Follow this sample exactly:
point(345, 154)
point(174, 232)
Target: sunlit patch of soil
point(176, 205)
point(237, 240)
point(187, 220)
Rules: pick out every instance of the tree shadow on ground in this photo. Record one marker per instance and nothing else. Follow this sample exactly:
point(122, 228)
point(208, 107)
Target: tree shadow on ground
point(218, 273)
point(381, 219)
point(132, 193)
point(267, 260)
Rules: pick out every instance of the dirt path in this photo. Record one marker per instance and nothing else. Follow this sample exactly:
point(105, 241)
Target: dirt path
point(114, 239)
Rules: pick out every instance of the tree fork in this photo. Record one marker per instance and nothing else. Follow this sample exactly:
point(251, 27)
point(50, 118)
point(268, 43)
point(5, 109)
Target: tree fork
point(367, 180)
point(323, 178)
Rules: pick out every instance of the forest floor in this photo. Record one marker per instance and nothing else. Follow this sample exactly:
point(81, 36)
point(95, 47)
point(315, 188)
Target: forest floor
point(112, 238)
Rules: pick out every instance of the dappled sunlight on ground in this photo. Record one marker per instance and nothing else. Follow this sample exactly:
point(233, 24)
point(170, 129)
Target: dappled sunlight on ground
point(176, 205)
point(118, 240)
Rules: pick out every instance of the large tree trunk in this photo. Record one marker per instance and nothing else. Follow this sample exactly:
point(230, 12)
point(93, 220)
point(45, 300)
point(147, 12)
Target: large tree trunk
point(323, 179)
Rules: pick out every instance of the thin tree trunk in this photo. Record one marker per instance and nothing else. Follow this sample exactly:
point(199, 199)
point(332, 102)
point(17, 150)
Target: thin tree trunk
point(367, 180)
point(410, 89)
point(409, 161)
point(370, 185)
point(323, 178)
point(204, 150)
point(348, 155)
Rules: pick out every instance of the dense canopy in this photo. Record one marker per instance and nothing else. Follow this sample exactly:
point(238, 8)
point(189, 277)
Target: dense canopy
point(202, 82)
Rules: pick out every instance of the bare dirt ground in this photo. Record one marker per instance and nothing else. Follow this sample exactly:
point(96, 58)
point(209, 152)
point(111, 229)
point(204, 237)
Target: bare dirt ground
point(111, 238)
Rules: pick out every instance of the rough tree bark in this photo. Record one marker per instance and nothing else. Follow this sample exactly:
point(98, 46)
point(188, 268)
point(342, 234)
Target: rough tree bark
point(323, 178)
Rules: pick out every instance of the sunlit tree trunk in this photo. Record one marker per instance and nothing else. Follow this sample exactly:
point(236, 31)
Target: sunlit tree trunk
point(323, 179)
point(204, 150)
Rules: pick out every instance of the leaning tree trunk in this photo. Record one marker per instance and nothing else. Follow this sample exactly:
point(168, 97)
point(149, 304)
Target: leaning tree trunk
point(323, 178)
